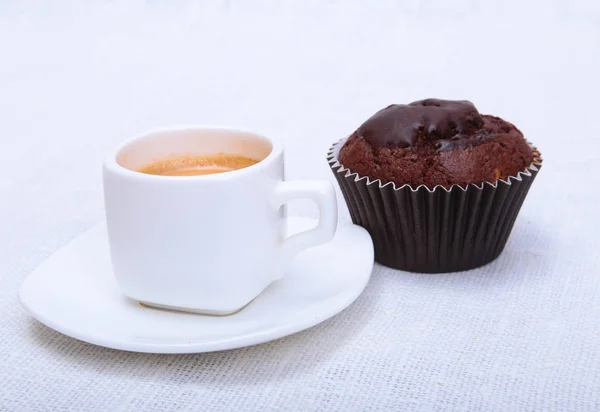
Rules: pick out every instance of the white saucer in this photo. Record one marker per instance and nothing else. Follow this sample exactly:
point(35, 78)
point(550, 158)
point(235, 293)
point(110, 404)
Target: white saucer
point(74, 292)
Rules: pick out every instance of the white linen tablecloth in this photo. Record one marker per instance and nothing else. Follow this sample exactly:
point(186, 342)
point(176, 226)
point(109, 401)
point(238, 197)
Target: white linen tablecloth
point(521, 334)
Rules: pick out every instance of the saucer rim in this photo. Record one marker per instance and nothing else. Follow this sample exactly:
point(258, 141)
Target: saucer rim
point(245, 340)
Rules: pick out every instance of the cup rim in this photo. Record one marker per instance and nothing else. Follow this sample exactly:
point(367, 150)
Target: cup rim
point(110, 162)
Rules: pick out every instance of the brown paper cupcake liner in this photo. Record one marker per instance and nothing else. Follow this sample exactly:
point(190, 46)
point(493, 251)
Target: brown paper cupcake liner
point(434, 230)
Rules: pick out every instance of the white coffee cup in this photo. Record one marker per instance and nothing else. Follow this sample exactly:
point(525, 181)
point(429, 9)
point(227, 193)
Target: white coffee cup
point(208, 243)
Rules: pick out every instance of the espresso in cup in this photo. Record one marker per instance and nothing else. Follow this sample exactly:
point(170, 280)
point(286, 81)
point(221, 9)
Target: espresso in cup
point(190, 165)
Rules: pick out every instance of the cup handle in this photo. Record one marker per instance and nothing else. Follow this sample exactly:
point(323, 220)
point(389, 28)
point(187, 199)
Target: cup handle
point(323, 194)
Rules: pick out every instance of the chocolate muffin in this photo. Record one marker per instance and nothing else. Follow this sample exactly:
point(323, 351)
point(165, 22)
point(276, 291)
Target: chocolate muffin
point(437, 185)
point(436, 142)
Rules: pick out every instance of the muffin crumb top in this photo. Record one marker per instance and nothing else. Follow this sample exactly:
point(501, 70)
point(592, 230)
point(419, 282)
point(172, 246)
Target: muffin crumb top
point(436, 142)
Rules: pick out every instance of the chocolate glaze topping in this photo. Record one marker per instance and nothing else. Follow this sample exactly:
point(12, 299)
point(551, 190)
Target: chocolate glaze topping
point(451, 124)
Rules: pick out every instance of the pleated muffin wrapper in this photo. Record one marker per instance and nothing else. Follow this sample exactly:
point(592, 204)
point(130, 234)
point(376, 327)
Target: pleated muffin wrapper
point(434, 230)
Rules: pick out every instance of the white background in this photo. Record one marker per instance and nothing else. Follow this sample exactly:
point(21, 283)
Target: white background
point(520, 334)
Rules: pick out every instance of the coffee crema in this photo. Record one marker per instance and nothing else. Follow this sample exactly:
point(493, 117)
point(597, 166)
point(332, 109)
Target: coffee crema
point(196, 165)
